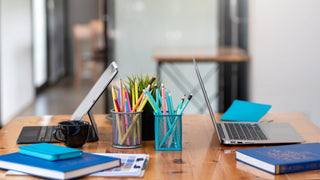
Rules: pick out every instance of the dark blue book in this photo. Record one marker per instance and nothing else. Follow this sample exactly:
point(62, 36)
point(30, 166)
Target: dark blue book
point(282, 159)
point(61, 169)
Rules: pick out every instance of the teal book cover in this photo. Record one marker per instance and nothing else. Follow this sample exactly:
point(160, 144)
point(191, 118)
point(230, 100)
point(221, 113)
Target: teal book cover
point(63, 169)
point(282, 159)
point(50, 151)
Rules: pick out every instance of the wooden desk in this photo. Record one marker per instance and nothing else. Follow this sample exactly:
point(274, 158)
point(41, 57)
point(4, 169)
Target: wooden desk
point(232, 81)
point(202, 156)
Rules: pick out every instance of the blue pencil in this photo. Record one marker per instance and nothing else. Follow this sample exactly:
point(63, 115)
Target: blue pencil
point(176, 119)
point(181, 102)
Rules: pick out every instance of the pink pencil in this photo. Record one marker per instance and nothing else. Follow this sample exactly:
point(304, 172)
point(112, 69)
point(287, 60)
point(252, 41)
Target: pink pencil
point(164, 109)
point(121, 97)
point(126, 120)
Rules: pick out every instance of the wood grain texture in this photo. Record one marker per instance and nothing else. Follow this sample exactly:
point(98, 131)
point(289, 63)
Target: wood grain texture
point(202, 157)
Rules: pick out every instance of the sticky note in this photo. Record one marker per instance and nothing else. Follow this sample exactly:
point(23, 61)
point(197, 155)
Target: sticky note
point(245, 111)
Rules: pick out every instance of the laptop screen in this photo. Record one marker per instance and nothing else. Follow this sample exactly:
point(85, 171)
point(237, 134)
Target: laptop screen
point(206, 96)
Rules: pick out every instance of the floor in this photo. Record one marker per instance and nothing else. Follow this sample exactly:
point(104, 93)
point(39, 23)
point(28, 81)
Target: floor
point(63, 98)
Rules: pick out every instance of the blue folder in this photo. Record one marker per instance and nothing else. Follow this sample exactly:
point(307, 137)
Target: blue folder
point(245, 111)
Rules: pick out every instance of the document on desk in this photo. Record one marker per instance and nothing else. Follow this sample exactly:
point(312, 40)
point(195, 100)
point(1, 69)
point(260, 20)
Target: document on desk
point(245, 111)
point(132, 165)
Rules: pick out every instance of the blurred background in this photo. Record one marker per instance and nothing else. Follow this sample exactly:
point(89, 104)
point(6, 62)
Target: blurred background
point(52, 52)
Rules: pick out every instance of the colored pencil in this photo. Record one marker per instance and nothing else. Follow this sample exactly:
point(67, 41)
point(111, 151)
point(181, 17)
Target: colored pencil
point(135, 118)
point(164, 109)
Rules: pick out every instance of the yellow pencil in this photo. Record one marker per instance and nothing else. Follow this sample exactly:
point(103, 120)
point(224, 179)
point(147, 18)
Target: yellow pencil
point(113, 97)
point(133, 98)
point(116, 110)
point(136, 90)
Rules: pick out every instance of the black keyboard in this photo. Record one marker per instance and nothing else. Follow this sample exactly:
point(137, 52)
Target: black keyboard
point(38, 134)
point(245, 131)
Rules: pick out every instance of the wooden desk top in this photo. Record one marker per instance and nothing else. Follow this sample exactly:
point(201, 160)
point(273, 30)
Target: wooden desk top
point(202, 156)
point(222, 54)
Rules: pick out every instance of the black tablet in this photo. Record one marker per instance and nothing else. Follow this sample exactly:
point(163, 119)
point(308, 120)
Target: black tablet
point(37, 134)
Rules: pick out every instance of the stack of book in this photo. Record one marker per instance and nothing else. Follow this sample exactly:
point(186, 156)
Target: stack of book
point(56, 162)
point(282, 159)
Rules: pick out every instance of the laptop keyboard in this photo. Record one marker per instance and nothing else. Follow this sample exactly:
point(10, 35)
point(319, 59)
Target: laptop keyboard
point(244, 131)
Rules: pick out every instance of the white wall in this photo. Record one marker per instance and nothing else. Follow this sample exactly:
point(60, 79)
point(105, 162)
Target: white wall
point(284, 40)
point(16, 57)
point(141, 26)
point(39, 42)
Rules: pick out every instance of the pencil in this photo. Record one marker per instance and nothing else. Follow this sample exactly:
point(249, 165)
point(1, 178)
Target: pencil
point(181, 102)
point(117, 118)
point(135, 119)
point(164, 109)
point(129, 106)
point(126, 108)
point(121, 96)
point(176, 119)
point(133, 104)
point(116, 109)
point(133, 98)
point(123, 99)
point(137, 103)
point(136, 90)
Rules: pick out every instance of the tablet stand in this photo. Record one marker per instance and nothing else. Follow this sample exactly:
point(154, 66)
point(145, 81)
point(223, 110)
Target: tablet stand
point(93, 128)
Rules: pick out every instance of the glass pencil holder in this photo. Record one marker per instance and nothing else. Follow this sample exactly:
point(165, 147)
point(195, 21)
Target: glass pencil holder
point(168, 132)
point(126, 129)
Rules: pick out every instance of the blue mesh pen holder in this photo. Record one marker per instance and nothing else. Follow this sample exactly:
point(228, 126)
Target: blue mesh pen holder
point(168, 132)
point(126, 129)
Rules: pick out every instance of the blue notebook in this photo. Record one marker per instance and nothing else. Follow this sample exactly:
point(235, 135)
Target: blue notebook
point(49, 151)
point(282, 159)
point(245, 111)
point(62, 169)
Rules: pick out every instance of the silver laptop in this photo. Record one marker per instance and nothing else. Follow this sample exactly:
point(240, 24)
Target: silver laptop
point(240, 133)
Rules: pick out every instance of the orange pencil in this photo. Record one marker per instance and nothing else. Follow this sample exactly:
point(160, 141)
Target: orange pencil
point(137, 103)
